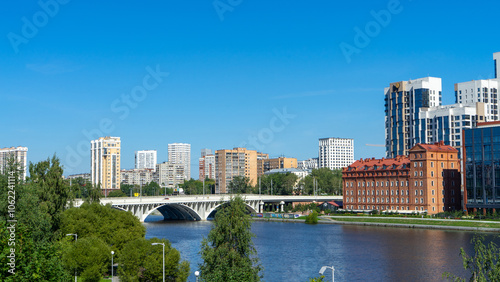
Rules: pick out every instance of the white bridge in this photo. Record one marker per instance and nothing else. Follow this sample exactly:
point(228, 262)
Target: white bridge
point(200, 207)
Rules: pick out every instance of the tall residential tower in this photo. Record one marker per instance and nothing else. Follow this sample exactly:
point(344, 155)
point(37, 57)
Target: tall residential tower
point(180, 153)
point(403, 101)
point(336, 153)
point(105, 163)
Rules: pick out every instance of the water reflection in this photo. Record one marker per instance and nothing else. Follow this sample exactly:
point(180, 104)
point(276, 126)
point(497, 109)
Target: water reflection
point(296, 251)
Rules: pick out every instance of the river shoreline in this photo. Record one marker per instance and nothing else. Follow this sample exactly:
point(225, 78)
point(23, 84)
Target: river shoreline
point(377, 224)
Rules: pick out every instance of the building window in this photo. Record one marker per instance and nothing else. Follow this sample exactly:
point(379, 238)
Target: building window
point(421, 183)
point(432, 183)
point(432, 163)
point(421, 192)
point(452, 165)
point(421, 173)
point(420, 164)
point(442, 164)
point(433, 200)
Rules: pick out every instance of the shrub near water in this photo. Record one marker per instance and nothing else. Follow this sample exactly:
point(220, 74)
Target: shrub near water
point(312, 218)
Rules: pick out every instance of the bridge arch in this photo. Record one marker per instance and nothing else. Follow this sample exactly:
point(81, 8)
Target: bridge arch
point(212, 210)
point(174, 211)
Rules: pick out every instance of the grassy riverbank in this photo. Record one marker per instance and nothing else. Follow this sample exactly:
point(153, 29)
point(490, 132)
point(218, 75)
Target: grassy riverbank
point(395, 220)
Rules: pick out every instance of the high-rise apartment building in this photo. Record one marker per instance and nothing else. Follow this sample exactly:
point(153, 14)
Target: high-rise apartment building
point(335, 153)
point(428, 180)
point(403, 101)
point(480, 93)
point(265, 164)
point(145, 159)
point(169, 174)
point(206, 164)
point(105, 163)
point(180, 153)
point(20, 156)
point(445, 123)
point(235, 162)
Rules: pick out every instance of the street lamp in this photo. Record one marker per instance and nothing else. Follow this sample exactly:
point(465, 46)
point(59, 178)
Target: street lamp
point(112, 253)
point(322, 270)
point(196, 273)
point(76, 239)
point(163, 258)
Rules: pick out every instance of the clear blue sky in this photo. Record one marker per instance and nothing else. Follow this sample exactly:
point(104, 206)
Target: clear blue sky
point(227, 70)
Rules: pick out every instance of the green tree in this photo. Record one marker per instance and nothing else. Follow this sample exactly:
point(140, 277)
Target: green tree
point(141, 261)
point(127, 189)
point(151, 189)
point(282, 183)
point(113, 226)
point(228, 253)
point(89, 257)
point(484, 265)
point(192, 187)
point(239, 185)
point(37, 254)
point(312, 218)
point(117, 193)
point(53, 192)
point(328, 182)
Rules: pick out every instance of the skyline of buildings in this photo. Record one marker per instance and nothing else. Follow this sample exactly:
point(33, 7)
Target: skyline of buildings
point(414, 112)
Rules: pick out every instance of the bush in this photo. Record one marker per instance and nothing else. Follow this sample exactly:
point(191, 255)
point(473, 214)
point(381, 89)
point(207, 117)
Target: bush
point(312, 218)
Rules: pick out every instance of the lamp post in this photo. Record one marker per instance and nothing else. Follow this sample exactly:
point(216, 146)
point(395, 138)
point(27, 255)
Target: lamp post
point(112, 253)
point(76, 239)
point(163, 258)
point(197, 274)
point(322, 270)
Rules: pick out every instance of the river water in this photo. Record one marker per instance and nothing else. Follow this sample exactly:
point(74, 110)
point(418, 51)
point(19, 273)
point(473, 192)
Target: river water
point(296, 251)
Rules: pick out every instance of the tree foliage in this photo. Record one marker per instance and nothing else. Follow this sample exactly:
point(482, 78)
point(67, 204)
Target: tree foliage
point(141, 261)
point(90, 257)
point(312, 218)
point(37, 254)
point(282, 184)
point(484, 265)
point(328, 182)
point(239, 185)
point(113, 226)
point(228, 253)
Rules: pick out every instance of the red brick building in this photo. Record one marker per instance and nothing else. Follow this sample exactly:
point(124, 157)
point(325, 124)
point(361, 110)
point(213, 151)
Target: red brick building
point(426, 181)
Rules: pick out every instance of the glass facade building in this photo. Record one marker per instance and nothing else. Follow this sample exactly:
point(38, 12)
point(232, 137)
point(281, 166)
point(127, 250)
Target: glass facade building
point(482, 166)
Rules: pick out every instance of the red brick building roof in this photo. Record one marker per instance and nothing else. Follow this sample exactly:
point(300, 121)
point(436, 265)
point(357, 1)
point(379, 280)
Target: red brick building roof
point(436, 147)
